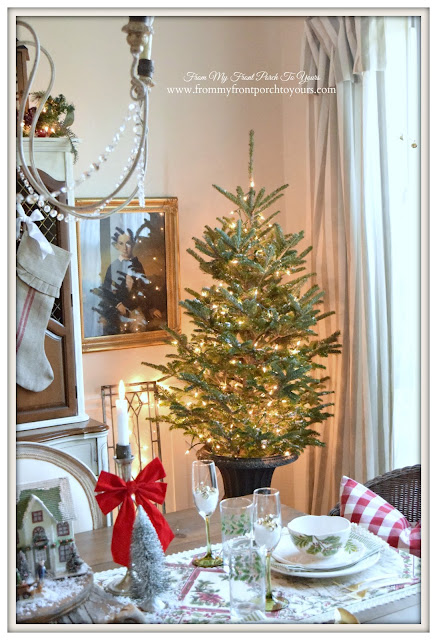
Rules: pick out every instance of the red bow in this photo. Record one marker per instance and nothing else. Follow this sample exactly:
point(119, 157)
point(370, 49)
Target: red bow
point(116, 491)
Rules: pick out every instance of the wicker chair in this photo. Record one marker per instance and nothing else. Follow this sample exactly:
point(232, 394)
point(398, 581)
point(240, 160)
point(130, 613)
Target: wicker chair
point(401, 488)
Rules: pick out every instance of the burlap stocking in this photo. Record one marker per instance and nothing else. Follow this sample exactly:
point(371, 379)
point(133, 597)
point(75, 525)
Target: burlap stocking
point(38, 284)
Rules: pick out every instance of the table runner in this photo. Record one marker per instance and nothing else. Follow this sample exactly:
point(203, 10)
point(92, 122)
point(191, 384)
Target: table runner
point(198, 595)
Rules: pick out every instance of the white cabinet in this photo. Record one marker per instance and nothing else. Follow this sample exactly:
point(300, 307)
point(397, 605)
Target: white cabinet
point(86, 441)
point(54, 416)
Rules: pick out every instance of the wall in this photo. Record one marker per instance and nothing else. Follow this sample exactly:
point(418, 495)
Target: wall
point(194, 141)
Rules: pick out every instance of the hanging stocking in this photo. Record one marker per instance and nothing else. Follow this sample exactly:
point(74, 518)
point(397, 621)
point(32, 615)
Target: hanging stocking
point(38, 284)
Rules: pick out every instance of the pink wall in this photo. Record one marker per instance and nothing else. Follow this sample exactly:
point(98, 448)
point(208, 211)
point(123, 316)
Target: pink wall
point(194, 141)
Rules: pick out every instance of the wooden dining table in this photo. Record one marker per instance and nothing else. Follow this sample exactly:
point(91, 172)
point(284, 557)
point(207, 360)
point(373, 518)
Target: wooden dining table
point(189, 529)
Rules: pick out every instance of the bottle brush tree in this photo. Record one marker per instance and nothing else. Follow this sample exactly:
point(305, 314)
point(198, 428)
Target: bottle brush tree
point(247, 381)
point(149, 578)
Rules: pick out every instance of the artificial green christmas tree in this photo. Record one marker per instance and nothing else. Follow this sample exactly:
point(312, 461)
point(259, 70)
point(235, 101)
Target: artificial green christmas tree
point(248, 383)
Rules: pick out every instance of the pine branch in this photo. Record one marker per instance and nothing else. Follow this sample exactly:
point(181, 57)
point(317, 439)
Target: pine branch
point(247, 380)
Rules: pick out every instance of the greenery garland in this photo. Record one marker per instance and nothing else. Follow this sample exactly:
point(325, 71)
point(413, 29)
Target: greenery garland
point(54, 121)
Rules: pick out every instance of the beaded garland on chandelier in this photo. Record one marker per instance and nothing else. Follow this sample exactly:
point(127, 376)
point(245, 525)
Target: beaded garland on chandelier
point(140, 31)
point(48, 208)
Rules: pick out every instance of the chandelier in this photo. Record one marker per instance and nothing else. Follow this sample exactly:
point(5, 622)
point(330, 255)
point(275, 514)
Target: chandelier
point(139, 37)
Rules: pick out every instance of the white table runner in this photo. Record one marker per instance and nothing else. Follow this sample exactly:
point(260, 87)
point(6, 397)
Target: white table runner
point(198, 595)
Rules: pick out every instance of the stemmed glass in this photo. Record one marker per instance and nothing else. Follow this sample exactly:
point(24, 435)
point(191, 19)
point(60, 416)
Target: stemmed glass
point(205, 494)
point(267, 528)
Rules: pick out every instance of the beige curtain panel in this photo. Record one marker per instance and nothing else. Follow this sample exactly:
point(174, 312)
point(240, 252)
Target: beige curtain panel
point(350, 232)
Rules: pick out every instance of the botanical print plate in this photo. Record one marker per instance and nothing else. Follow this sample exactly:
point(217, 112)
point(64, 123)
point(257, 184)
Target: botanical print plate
point(291, 570)
point(287, 553)
point(367, 547)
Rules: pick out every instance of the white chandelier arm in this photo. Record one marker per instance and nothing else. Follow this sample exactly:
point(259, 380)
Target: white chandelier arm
point(80, 211)
point(139, 91)
point(37, 183)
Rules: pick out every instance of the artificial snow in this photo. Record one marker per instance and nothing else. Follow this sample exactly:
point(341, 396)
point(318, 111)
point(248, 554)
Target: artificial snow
point(53, 592)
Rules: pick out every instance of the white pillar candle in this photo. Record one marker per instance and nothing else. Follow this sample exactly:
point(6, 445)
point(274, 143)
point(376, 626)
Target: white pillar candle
point(122, 417)
point(149, 40)
point(149, 47)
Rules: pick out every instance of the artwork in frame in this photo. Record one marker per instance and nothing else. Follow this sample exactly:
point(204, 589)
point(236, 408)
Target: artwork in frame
point(129, 274)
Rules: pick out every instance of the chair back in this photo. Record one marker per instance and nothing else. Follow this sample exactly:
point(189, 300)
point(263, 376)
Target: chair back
point(39, 462)
point(401, 488)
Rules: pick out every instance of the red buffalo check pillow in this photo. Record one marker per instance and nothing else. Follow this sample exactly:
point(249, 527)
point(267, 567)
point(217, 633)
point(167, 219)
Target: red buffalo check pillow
point(364, 507)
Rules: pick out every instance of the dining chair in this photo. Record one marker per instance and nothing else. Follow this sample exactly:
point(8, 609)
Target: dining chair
point(401, 488)
point(38, 462)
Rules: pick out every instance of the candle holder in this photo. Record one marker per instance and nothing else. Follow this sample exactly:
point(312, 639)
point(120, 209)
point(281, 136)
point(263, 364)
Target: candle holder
point(123, 462)
point(142, 400)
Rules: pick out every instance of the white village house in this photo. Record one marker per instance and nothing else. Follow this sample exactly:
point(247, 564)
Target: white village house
point(45, 517)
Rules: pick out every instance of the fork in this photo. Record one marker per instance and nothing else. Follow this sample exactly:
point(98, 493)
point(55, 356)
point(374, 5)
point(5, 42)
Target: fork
point(361, 593)
point(357, 585)
point(343, 616)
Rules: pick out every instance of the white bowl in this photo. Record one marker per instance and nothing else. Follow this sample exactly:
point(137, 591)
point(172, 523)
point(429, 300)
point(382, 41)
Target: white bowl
point(320, 536)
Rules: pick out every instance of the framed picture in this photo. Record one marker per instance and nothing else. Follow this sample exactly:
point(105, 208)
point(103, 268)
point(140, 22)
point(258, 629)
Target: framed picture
point(129, 274)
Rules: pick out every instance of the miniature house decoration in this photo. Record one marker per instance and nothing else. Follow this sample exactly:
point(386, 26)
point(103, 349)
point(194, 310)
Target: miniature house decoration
point(45, 515)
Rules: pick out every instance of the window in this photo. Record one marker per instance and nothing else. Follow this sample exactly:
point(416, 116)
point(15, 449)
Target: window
point(37, 516)
point(64, 552)
point(39, 536)
point(403, 127)
point(63, 529)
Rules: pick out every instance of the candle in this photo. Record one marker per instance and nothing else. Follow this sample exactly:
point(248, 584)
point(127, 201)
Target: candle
point(206, 498)
point(122, 417)
point(149, 47)
point(149, 39)
point(267, 531)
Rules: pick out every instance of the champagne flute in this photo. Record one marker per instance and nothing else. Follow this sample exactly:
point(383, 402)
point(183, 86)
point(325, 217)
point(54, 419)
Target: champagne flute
point(267, 530)
point(205, 494)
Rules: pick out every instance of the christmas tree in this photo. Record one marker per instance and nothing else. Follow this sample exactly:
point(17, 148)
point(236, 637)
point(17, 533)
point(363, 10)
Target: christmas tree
point(148, 574)
point(74, 561)
point(22, 566)
point(248, 376)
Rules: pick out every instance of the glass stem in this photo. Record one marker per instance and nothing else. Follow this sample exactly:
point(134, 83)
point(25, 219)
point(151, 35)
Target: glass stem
point(269, 594)
point(208, 537)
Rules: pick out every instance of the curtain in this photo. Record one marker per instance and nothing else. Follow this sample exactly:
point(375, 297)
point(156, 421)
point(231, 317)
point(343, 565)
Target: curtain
point(349, 227)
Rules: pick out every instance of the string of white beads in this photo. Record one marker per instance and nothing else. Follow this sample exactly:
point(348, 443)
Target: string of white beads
point(134, 115)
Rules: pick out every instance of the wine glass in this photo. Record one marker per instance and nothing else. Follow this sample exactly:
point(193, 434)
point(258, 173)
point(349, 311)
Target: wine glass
point(205, 494)
point(267, 528)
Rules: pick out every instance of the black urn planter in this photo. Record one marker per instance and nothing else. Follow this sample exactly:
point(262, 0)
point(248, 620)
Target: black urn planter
point(241, 476)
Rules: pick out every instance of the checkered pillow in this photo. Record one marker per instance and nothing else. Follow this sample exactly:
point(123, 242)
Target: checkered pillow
point(364, 507)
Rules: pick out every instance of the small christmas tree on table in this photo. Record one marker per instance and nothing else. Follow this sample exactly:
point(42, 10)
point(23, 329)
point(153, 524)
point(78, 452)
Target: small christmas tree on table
point(22, 566)
point(74, 562)
point(247, 374)
point(148, 574)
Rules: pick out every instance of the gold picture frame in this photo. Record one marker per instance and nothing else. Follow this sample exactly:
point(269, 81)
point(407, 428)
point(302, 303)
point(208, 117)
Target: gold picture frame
point(129, 274)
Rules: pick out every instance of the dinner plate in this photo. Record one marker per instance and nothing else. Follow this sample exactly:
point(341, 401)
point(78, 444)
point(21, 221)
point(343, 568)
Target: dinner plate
point(289, 570)
point(287, 553)
point(367, 546)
